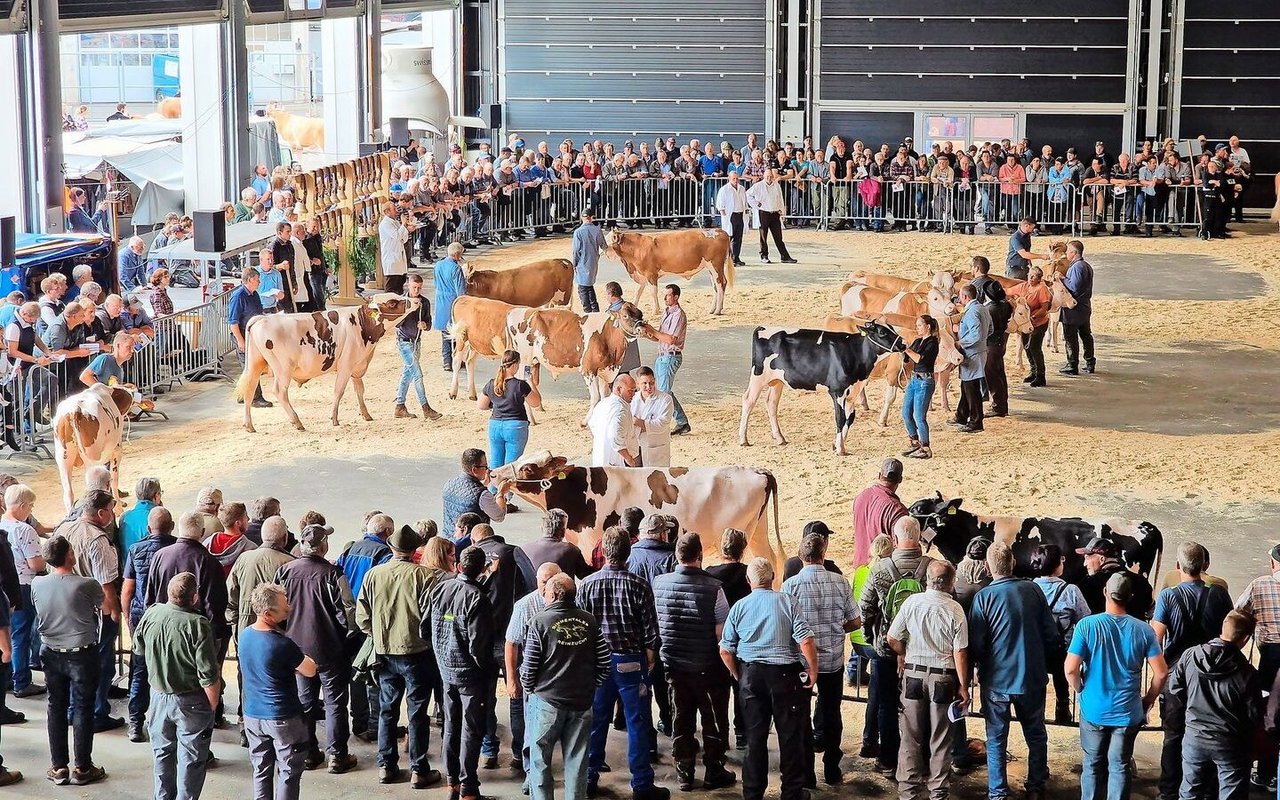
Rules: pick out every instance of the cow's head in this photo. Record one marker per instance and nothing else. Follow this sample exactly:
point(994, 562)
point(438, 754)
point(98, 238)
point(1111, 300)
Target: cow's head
point(534, 468)
point(1021, 319)
point(382, 312)
point(941, 304)
point(944, 282)
point(885, 338)
point(121, 397)
point(1059, 297)
point(944, 526)
point(629, 319)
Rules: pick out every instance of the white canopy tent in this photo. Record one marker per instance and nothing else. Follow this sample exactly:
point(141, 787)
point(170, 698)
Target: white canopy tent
point(148, 155)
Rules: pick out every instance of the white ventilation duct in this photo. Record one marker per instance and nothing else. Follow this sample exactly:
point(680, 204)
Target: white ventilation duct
point(410, 90)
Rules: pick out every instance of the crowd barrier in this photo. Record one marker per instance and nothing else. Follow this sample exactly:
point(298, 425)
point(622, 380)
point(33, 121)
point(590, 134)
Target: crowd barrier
point(867, 204)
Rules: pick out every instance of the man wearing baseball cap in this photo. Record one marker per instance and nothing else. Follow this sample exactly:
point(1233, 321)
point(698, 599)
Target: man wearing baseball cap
point(323, 609)
point(1104, 665)
point(588, 244)
point(1102, 559)
point(875, 509)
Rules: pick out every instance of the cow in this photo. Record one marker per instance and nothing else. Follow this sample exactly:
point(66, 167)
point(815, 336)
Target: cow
point(948, 529)
point(169, 108)
point(944, 281)
point(648, 257)
point(705, 500)
point(1275, 212)
point(299, 133)
point(561, 340)
point(804, 358)
point(300, 347)
point(856, 298)
point(540, 283)
point(88, 429)
point(479, 328)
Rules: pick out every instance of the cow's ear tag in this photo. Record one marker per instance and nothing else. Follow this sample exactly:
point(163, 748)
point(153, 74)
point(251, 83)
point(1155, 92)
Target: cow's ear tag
point(951, 509)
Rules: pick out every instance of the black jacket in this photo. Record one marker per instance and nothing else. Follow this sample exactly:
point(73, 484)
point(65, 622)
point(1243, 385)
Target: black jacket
point(1221, 693)
point(503, 584)
point(188, 555)
point(321, 615)
point(733, 577)
point(565, 657)
point(461, 631)
point(1093, 587)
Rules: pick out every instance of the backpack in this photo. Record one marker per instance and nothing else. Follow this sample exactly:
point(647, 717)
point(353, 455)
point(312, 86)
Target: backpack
point(1057, 621)
point(902, 587)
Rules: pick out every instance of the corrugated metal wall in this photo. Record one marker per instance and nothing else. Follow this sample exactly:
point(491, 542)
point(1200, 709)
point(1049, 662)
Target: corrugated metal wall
point(611, 69)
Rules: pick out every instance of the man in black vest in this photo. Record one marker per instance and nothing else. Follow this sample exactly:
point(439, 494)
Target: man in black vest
point(469, 492)
point(320, 621)
point(692, 608)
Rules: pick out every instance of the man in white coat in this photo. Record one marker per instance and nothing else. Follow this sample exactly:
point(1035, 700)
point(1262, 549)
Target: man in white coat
point(298, 270)
point(731, 204)
point(614, 438)
point(653, 410)
point(392, 234)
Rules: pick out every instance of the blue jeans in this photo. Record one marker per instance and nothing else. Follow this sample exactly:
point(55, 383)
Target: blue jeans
point(507, 440)
point(411, 374)
point(1107, 750)
point(181, 731)
point(628, 680)
point(1030, 711)
point(400, 676)
point(26, 641)
point(915, 408)
point(664, 373)
point(1208, 765)
point(106, 666)
point(548, 726)
point(446, 350)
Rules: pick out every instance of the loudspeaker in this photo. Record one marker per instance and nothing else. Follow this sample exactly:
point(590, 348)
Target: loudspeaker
point(398, 131)
point(8, 237)
point(493, 113)
point(210, 231)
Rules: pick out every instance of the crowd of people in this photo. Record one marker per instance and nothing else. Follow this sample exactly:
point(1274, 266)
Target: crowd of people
point(330, 645)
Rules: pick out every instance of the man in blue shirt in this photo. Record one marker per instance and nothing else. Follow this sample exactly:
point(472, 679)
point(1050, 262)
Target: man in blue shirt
point(108, 368)
point(1010, 629)
point(269, 662)
point(133, 265)
point(133, 523)
point(1018, 260)
point(588, 243)
point(451, 283)
point(261, 186)
point(1104, 666)
point(242, 307)
point(772, 654)
point(1075, 321)
point(712, 167)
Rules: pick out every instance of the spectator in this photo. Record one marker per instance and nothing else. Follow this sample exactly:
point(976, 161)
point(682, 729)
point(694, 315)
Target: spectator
point(1010, 633)
point(137, 567)
point(972, 573)
point(69, 612)
point(1075, 321)
point(133, 523)
point(460, 620)
point(731, 204)
point(1068, 607)
point(796, 563)
point(525, 609)
point(732, 574)
point(185, 686)
point(208, 501)
point(654, 553)
point(1101, 561)
point(551, 548)
point(771, 652)
point(826, 602)
point(567, 660)
point(691, 610)
point(1104, 666)
point(132, 264)
point(862, 655)
point(930, 633)
point(24, 543)
point(876, 509)
point(229, 544)
point(323, 616)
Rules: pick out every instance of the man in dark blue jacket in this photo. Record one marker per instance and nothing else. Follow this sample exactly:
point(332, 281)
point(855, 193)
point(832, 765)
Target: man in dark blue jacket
point(1075, 321)
point(356, 560)
point(652, 555)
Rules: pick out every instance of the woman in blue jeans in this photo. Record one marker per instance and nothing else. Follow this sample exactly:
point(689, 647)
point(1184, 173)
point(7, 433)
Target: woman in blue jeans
point(923, 352)
point(505, 396)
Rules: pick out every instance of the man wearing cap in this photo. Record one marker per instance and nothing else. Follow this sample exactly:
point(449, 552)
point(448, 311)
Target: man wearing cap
point(796, 563)
point(1261, 598)
point(1104, 666)
point(588, 244)
point(1101, 561)
point(876, 509)
point(389, 609)
point(320, 624)
point(653, 555)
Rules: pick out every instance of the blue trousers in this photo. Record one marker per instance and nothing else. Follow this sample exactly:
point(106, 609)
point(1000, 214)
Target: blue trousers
point(400, 676)
point(996, 708)
point(1218, 770)
point(629, 681)
point(547, 727)
point(915, 408)
point(664, 374)
point(411, 374)
point(1107, 750)
point(26, 641)
point(507, 440)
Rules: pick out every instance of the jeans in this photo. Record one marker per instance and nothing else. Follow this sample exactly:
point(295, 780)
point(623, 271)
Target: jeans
point(915, 408)
point(400, 676)
point(276, 746)
point(181, 730)
point(507, 440)
point(1107, 750)
point(1173, 721)
point(587, 296)
point(71, 679)
point(489, 745)
point(1029, 709)
point(1214, 769)
point(1012, 208)
point(628, 680)
point(106, 667)
point(464, 716)
point(1033, 343)
point(139, 686)
point(330, 682)
point(665, 368)
point(446, 350)
point(547, 727)
point(519, 747)
point(884, 677)
point(411, 374)
point(773, 694)
point(1072, 336)
point(26, 641)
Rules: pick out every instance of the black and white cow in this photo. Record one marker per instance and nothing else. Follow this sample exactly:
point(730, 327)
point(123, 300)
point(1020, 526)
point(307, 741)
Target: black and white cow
point(949, 529)
point(804, 358)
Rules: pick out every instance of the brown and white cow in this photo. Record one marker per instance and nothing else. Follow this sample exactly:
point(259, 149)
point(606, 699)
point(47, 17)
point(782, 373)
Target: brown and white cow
point(705, 500)
point(592, 345)
point(88, 429)
point(300, 347)
point(479, 328)
point(647, 257)
point(859, 299)
point(549, 281)
point(944, 281)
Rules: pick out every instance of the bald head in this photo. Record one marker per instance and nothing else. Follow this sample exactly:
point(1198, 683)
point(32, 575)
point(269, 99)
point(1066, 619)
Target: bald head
point(546, 572)
point(275, 531)
point(906, 533)
point(160, 521)
point(942, 576)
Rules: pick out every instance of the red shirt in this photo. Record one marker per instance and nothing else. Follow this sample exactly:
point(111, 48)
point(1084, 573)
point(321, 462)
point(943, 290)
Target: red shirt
point(875, 509)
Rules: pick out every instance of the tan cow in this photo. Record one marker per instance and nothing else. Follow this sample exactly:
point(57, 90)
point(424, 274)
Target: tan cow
point(88, 429)
point(300, 347)
point(479, 328)
point(944, 281)
point(549, 281)
point(647, 257)
point(299, 133)
point(868, 300)
point(592, 345)
point(170, 108)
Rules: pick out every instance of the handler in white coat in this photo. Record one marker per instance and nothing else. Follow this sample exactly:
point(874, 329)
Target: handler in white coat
point(615, 442)
point(653, 411)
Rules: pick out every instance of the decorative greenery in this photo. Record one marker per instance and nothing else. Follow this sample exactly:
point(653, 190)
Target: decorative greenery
point(363, 256)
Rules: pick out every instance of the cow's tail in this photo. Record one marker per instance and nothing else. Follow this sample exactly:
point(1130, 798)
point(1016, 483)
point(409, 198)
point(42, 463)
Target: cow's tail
point(1159, 537)
point(457, 332)
point(728, 268)
point(242, 390)
point(771, 490)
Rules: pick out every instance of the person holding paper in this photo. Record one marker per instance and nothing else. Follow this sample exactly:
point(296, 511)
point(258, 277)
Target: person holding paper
point(68, 342)
point(731, 204)
point(108, 368)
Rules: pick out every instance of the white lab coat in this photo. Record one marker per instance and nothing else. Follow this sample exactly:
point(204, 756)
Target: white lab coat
point(298, 272)
point(730, 199)
point(655, 440)
point(612, 429)
point(391, 238)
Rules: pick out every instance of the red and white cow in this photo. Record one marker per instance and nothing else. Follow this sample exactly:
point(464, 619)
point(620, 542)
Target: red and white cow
point(88, 429)
point(647, 257)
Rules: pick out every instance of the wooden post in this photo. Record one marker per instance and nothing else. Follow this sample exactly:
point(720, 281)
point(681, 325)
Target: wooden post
point(346, 278)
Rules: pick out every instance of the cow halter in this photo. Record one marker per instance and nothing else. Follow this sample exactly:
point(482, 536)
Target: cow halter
point(891, 348)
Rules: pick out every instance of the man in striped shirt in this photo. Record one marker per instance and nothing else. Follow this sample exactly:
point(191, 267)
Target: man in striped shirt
point(826, 601)
point(565, 659)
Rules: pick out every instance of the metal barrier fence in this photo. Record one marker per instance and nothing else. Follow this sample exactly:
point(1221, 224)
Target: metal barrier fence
point(1130, 209)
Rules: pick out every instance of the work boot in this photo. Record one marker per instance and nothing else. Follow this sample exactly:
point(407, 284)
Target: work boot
point(404, 413)
point(718, 778)
point(340, 764)
point(684, 775)
point(429, 413)
point(136, 733)
point(314, 760)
